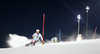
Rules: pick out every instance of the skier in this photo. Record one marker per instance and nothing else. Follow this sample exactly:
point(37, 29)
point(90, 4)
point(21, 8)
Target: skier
point(36, 37)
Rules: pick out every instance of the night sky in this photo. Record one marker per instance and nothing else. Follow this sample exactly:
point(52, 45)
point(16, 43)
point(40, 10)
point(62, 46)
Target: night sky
point(24, 17)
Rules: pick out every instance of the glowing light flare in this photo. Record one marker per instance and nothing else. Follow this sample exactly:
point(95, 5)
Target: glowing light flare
point(79, 17)
point(87, 8)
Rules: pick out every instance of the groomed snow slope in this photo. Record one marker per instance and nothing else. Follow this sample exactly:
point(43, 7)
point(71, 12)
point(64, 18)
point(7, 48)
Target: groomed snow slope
point(80, 47)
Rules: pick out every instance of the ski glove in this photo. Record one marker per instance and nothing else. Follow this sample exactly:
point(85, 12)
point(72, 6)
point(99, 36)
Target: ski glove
point(32, 36)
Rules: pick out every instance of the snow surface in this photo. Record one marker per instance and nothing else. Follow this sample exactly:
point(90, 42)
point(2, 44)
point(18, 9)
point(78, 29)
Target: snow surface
point(74, 47)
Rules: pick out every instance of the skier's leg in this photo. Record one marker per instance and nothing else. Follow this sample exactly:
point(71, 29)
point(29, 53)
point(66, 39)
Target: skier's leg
point(35, 42)
point(29, 43)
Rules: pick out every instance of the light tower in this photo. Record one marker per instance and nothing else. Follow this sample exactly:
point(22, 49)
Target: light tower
point(87, 8)
point(79, 36)
point(79, 17)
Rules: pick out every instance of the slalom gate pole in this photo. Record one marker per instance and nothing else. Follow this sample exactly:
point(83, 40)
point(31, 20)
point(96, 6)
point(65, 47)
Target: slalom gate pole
point(43, 28)
point(59, 35)
point(94, 32)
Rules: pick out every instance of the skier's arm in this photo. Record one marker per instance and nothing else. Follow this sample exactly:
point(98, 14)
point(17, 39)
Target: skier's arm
point(33, 35)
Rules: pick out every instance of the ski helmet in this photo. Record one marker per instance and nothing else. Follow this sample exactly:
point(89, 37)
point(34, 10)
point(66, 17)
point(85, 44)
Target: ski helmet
point(37, 30)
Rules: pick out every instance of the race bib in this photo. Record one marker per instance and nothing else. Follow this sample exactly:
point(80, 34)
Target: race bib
point(35, 36)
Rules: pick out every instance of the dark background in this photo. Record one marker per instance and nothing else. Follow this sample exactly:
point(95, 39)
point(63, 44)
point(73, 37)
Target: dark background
point(24, 17)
